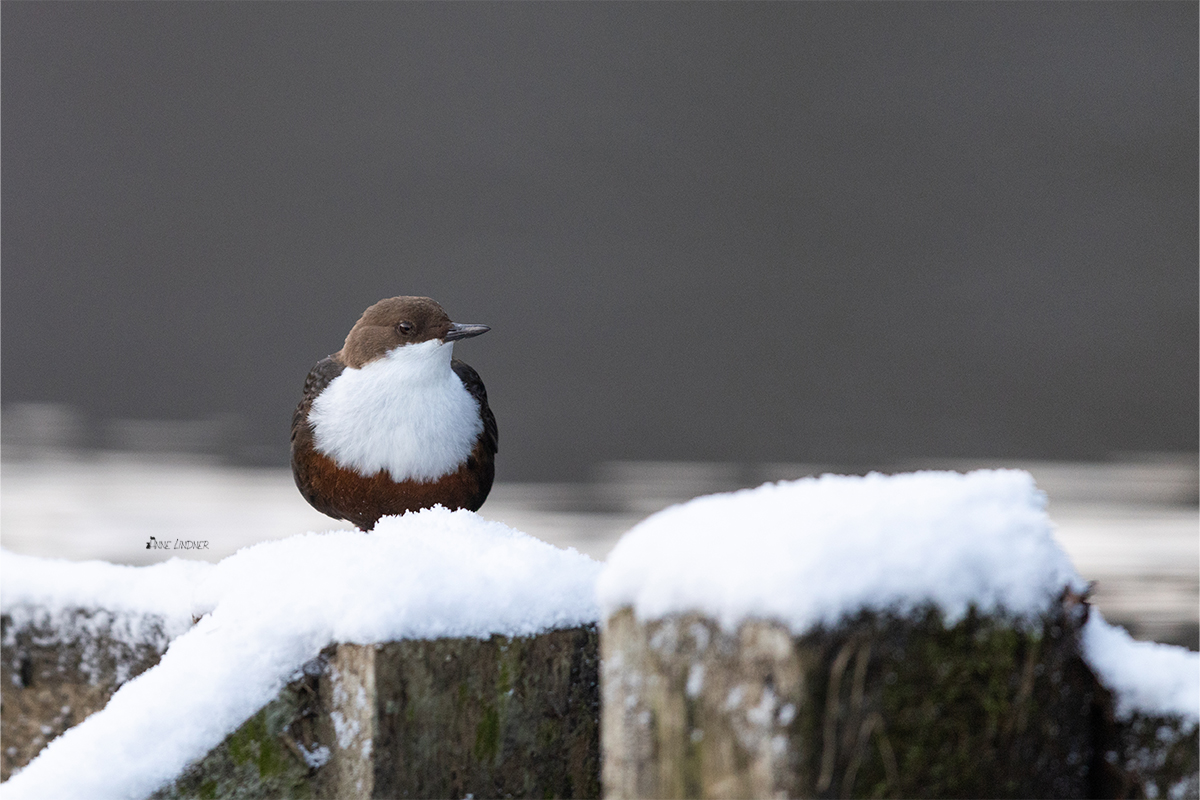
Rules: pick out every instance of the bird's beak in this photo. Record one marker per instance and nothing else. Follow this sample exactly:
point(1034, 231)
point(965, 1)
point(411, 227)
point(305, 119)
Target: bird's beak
point(464, 331)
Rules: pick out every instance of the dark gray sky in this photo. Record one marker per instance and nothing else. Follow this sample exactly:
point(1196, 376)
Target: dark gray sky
point(787, 231)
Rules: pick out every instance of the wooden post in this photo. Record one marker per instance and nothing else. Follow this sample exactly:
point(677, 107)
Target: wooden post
point(57, 669)
point(880, 705)
point(422, 718)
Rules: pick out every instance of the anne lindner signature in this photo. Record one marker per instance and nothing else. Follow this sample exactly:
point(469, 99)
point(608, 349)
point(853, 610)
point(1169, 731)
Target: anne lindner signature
point(177, 544)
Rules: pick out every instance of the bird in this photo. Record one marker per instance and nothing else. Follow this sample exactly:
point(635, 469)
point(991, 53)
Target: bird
point(393, 422)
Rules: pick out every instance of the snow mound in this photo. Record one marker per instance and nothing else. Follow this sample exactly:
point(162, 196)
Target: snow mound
point(1146, 677)
point(56, 585)
point(806, 552)
point(272, 607)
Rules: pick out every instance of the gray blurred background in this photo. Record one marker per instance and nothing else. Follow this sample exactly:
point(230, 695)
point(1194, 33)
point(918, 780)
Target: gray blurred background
point(716, 243)
point(794, 231)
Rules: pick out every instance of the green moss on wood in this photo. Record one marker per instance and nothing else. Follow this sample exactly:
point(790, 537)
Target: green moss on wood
point(487, 735)
point(253, 744)
point(500, 717)
point(255, 761)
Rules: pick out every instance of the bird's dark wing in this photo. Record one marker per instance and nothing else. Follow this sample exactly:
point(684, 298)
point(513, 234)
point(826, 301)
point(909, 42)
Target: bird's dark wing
point(321, 375)
point(471, 380)
point(302, 435)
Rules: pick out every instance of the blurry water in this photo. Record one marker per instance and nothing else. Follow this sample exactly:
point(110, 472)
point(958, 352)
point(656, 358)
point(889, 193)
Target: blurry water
point(1132, 526)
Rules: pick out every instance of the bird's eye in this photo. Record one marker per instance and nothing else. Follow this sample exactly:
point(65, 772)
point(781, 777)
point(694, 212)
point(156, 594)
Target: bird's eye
point(405, 328)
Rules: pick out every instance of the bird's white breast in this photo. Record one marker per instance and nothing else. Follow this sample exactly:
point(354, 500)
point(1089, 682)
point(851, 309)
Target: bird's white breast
point(407, 413)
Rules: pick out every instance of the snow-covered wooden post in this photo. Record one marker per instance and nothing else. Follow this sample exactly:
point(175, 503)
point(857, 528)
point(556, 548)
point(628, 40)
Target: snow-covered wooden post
point(915, 635)
point(448, 717)
point(74, 633)
point(59, 667)
point(439, 655)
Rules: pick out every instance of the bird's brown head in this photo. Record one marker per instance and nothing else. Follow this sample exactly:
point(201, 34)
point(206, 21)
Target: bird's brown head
point(399, 321)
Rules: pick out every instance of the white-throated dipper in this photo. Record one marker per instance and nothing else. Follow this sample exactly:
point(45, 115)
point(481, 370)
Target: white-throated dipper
point(391, 422)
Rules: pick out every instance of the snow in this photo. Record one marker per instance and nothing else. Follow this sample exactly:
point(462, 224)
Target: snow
point(1146, 677)
point(121, 606)
point(806, 552)
point(271, 608)
point(56, 585)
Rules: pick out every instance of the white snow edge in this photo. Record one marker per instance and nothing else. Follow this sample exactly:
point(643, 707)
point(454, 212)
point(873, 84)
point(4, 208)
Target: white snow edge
point(1146, 677)
point(55, 585)
point(807, 552)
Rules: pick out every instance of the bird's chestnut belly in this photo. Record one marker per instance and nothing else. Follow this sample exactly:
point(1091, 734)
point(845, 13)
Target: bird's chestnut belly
point(362, 500)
